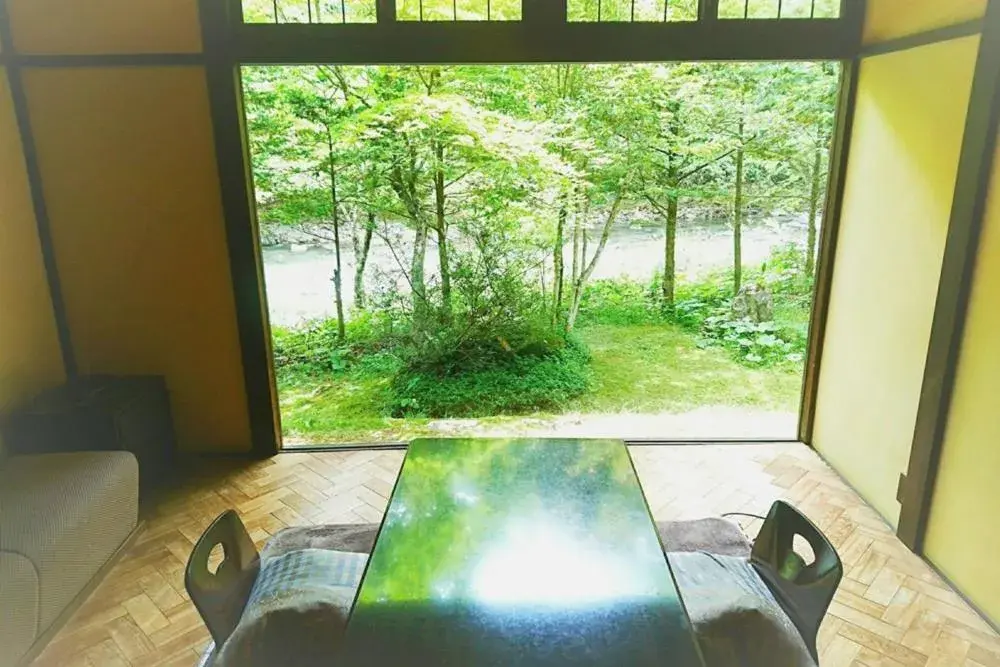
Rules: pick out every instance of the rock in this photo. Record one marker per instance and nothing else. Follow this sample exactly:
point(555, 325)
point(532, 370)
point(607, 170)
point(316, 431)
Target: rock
point(754, 303)
point(299, 247)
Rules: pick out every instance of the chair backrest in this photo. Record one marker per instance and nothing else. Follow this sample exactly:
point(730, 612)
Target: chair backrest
point(803, 590)
point(220, 596)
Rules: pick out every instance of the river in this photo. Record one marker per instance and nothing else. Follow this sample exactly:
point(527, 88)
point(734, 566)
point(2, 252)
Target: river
point(299, 278)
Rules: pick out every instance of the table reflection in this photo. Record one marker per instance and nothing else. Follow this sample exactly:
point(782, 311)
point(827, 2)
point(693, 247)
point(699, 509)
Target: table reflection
point(518, 551)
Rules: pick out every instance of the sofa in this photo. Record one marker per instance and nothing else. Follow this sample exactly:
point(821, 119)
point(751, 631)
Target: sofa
point(62, 517)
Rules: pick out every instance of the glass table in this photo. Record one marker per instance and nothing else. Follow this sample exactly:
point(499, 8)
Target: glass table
point(518, 552)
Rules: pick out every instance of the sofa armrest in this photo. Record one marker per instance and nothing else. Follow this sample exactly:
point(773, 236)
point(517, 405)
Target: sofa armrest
point(19, 606)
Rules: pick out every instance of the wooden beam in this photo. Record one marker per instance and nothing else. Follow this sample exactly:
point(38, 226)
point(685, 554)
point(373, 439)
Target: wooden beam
point(538, 41)
point(235, 178)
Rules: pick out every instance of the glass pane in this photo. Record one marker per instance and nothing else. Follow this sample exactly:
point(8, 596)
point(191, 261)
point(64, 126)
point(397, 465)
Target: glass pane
point(682, 10)
point(762, 9)
point(360, 11)
point(796, 9)
point(293, 11)
point(505, 10)
point(581, 10)
point(827, 9)
point(649, 10)
point(407, 10)
point(258, 11)
point(732, 9)
point(439, 10)
point(616, 10)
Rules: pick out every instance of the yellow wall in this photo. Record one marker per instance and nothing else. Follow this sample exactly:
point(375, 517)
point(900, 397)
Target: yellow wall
point(907, 137)
point(889, 19)
point(30, 359)
point(963, 536)
point(128, 166)
point(129, 174)
point(105, 26)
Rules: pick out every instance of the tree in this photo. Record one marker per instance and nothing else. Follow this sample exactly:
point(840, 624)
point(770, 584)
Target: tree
point(670, 117)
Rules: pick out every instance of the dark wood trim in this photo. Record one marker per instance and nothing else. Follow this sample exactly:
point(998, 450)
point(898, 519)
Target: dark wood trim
point(544, 42)
point(66, 614)
point(637, 442)
point(43, 224)
point(826, 257)
point(109, 60)
point(351, 447)
point(958, 268)
point(964, 29)
point(235, 178)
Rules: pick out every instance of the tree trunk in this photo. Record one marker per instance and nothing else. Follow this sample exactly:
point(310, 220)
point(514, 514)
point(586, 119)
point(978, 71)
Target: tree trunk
point(738, 217)
point(589, 267)
point(670, 253)
point(814, 193)
point(575, 270)
point(558, 266)
point(442, 232)
point(361, 251)
point(417, 275)
point(338, 271)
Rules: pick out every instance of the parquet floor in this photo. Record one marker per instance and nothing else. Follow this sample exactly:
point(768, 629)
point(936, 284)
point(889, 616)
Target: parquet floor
point(891, 610)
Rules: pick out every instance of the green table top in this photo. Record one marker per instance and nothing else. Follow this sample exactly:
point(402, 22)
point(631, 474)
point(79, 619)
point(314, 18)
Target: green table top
point(518, 552)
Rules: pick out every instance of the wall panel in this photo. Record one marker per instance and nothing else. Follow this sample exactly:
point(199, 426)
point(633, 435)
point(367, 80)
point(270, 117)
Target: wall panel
point(105, 26)
point(30, 359)
point(907, 137)
point(889, 19)
point(963, 536)
point(131, 182)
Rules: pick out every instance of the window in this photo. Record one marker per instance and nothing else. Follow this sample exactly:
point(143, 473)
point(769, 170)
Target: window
point(779, 9)
point(309, 11)
point(458, 10)
point(605, 11)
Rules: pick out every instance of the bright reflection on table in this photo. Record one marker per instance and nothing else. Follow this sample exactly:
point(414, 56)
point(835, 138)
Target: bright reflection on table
point(541, 564)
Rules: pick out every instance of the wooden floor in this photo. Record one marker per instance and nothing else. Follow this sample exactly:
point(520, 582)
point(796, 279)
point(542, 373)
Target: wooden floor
point(891, 609)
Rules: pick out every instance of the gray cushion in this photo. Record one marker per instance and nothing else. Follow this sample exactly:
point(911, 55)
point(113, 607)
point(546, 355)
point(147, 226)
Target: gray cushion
point(713, 535)
point(298, 607)
point(736, 618)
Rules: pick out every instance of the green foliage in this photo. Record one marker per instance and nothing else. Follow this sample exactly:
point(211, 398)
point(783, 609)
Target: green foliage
point(498, 383)
point(314, 348)
point(703, 307)
point(619, 302)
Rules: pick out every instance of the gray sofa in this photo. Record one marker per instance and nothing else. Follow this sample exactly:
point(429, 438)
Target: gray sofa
point(62, 517)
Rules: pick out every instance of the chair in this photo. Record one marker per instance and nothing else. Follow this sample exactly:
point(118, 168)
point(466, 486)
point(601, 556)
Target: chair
point(221, 596)
point(804, 590)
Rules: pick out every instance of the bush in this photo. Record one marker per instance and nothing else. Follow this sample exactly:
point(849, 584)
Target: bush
point(315, 347)
point(621, 302)
point(493, 384)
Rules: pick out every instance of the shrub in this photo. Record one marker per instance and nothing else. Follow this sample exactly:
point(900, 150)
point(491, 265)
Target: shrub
point(315, 347)
point(494, 384)
point(622, 302)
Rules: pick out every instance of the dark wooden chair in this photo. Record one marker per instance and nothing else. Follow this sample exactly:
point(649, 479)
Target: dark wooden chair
point(804, 590)
point(221, 596)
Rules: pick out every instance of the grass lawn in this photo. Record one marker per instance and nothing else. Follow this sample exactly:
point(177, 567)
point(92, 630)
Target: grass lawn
point(648, 368)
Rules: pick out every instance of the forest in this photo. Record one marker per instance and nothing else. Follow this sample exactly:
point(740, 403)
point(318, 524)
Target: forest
point(494, 191)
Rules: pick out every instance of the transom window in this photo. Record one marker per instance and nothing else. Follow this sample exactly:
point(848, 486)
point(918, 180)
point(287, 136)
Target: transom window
point(779, 9)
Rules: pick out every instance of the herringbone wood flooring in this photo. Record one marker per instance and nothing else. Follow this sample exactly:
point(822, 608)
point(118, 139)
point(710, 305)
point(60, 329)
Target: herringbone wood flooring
point(891, 610)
